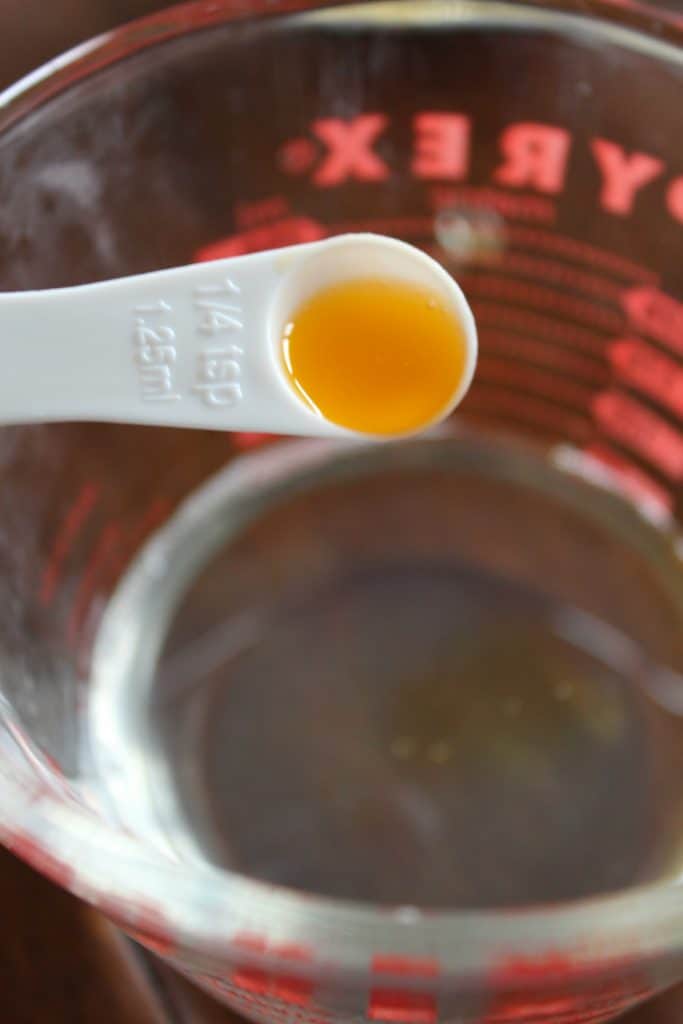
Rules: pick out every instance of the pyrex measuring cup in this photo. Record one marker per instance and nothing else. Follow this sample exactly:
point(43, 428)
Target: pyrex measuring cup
point(533, 148)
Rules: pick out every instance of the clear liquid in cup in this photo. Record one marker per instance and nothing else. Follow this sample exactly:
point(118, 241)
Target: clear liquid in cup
point(426, 686)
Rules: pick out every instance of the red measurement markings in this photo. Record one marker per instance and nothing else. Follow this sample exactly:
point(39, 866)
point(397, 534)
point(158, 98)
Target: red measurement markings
point(575, 364)
point(508, 204)
point(414, 226)
point(155, 514)
point(260, 1008)
point(296, 156)
point(291, 231)
point(519, 972)
point(390, 1002)
point(288, 987)
point(402, 1007)
point(492, 286)
point(109, 556)
point(517, 235)
point(497, 315)
point(66, 537)
point(102, 553)
point(41, 858)
point(249, 214)
point(444, 198)
point(539, 382)
point(554, 1010)
point(33, 783)
point(546, 270)
point(405, 966)
point(646, 370)
point(248, 977)
point(635, 427)
point(580, 252)
point(284, 985)
point(244, 440)
point(530, 411)
point(633, 480)
point(153, 930)
point(145, 923)
point(568, 1004)
point(46, 775)
point(212, 983)
point(653, 313)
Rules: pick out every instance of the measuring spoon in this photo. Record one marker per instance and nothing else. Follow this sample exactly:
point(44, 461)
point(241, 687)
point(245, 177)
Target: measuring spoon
point(200, 345)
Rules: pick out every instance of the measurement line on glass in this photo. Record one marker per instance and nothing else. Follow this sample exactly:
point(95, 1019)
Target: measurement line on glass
point(537, 240)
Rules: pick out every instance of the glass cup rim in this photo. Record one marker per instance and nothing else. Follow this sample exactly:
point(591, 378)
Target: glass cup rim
point(205, 916)
point(99, 52)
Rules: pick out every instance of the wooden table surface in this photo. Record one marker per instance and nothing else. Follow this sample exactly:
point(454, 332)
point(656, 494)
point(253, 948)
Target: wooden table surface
point(62, 963)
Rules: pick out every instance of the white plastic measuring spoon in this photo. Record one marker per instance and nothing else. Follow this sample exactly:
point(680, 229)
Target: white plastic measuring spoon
point(196, 346)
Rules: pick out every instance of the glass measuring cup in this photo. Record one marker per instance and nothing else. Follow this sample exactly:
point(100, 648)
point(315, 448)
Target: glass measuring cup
point(531, 147)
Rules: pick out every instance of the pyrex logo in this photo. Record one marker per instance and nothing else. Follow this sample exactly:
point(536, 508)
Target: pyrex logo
point(532, 156)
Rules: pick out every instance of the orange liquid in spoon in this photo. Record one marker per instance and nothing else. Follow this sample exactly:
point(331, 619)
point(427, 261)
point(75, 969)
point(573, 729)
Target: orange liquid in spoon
point(376, 356)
